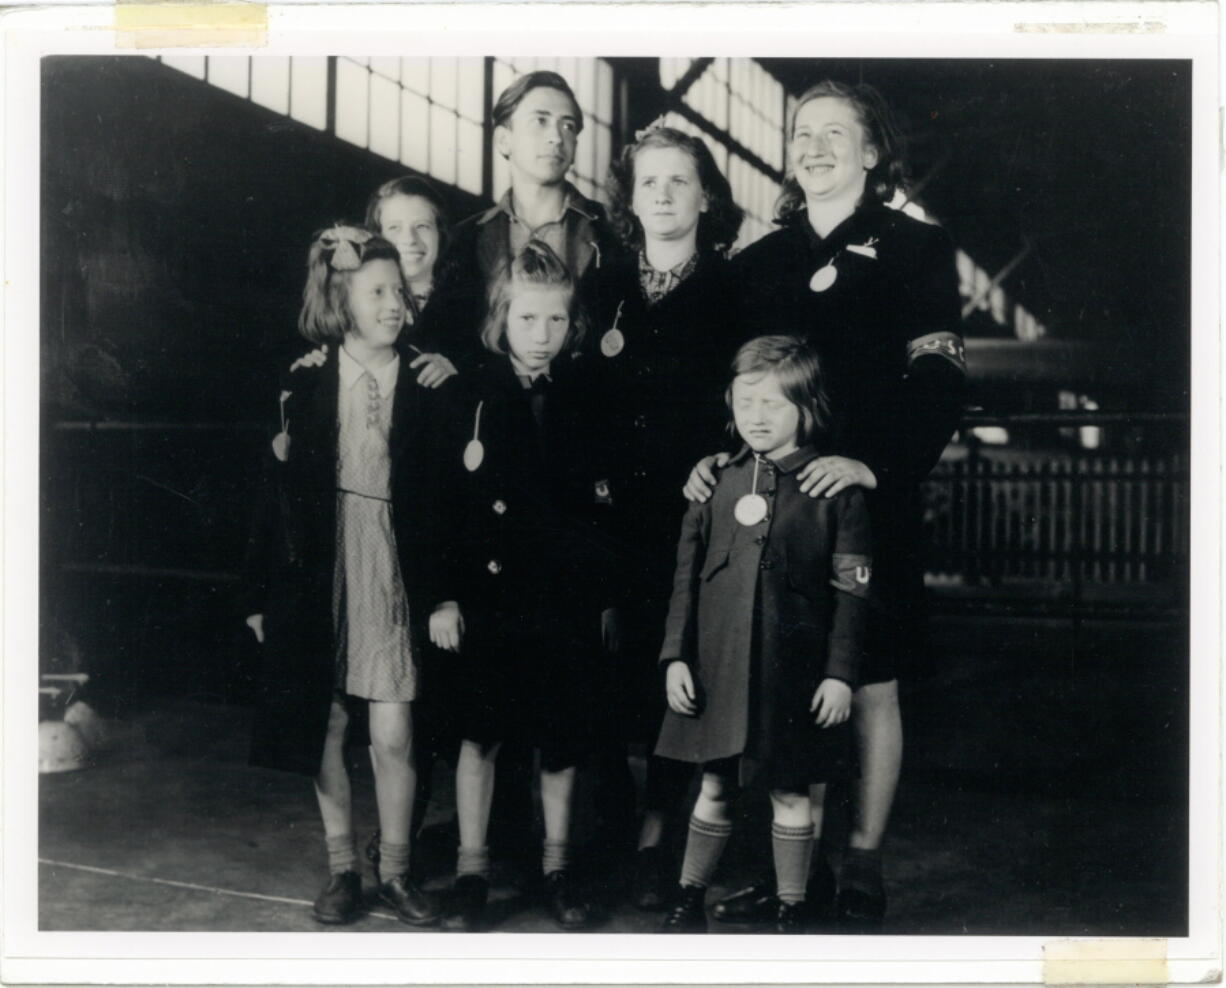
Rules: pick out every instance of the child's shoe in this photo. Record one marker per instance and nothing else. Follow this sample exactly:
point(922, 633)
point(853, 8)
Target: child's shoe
point(790, 917)
point(340, 901)
point(567, 907)
point(413, 905)
point(648, 885)
point(687, 914)
point(755, 903)
point(465, 909)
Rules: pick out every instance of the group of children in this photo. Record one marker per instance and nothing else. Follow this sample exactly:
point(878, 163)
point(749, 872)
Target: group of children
point(472, 505)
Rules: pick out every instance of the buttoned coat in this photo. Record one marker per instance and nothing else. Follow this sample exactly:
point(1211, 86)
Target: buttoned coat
point(762, 614)
point(664, 397)
point(291, 550)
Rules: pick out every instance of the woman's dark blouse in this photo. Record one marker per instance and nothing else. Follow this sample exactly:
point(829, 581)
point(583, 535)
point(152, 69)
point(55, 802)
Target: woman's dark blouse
point(663, 397)
point(888, 335)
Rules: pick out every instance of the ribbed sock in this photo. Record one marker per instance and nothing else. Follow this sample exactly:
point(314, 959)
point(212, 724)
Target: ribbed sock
point(862, 871)
point(473, 861)
point(393, 859)
point(703, 848)
point(556, 856)
point(342, 854)
point(792, 848)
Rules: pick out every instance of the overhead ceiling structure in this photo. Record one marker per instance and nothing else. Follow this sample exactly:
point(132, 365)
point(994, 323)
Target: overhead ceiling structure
point(1076, 175)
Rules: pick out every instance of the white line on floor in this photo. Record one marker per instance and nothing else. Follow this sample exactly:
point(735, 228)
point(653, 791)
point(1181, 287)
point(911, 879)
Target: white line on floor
point(193, 886)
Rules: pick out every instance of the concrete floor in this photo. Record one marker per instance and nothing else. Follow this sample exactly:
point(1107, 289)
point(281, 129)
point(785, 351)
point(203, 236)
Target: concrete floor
point(1042, 796)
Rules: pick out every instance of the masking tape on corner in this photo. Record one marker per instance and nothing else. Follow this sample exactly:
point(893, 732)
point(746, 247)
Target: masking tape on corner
point(190, 25)
point(1105, 962)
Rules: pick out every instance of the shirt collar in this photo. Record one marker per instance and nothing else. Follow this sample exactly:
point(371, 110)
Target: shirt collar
point(787, 464)
point(572, 200)
point(351, 372)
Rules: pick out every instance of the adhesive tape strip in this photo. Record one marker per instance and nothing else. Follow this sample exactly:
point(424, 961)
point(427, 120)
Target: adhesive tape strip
point(1105, 962)
point(190, 25)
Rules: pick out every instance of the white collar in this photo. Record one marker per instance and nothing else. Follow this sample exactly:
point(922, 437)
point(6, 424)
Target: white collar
point(351, 372)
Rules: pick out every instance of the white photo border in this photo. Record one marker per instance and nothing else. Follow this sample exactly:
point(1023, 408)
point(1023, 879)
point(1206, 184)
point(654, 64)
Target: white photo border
point(915, 30)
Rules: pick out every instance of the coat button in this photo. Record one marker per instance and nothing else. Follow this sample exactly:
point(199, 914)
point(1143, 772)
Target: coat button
point(766, 564)
point(769, 492)
point(640, 421)
point(760, 540)
point(500, 507)
point(494, 566)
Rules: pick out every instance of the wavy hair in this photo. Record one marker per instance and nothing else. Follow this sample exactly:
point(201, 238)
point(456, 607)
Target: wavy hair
point(335, 254)
point(717, 227)
point(873, 113)
point(534, 266)
point(794, 362)
point(411, 185)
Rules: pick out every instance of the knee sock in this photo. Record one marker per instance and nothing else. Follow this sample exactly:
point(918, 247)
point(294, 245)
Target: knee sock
point(792, 847)
point(703, 847)
point(342, 854)
point(473, 861)
point(556, 856)
point(862, 871)
point(393, 859)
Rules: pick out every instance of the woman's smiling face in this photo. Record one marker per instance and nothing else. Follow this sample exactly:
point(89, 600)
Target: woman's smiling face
point(829, 150)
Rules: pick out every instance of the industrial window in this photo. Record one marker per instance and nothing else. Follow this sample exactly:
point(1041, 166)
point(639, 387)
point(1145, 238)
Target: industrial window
point(737, 108)
point(592, 82)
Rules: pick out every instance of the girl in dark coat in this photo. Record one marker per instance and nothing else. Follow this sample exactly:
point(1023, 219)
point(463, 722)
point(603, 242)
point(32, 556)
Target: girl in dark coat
point(343, 575)
point(764, 630)
point(876, 292)
point(537, 572)
point(665, 332)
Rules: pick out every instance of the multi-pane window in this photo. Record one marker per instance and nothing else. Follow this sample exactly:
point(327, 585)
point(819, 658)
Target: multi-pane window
point(743, 108)
point(591, 79)
point(423, 112)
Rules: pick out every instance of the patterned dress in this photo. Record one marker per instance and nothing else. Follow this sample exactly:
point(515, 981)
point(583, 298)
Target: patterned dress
point(370, 612)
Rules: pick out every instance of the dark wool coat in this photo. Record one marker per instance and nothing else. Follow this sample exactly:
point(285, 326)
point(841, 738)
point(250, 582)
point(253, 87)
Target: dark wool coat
point(291, 551)
point(762, 614)
point(664, 398)
point(887, 331)
point(480, 248)
point(535, 561)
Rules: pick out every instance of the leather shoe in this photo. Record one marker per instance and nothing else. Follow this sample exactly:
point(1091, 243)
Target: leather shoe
point(858, 911)
point(790, 917)
point(465, 907)
point(648, 884)
point(341, 899)
point(755, 903)
point(687, 914)
point(567, 907)
point(413, 905)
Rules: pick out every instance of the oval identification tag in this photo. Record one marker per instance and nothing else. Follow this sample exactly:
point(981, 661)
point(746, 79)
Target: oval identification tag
point(823, 278)
point(474, 454)
point(612, 343)
point(750, 509)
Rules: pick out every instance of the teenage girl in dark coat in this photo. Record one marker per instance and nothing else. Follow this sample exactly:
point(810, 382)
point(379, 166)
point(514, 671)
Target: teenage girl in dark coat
point(664, 335)
point(876, 291)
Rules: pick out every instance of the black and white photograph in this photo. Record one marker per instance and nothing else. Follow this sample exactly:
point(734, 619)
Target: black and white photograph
point(511, 487)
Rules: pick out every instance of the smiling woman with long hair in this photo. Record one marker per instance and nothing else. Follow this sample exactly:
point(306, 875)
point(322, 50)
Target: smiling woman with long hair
point(876, 292)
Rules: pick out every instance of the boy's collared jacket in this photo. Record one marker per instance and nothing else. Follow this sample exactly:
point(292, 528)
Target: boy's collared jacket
point(762, 614)
point(480, 246)
point(291, 550)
